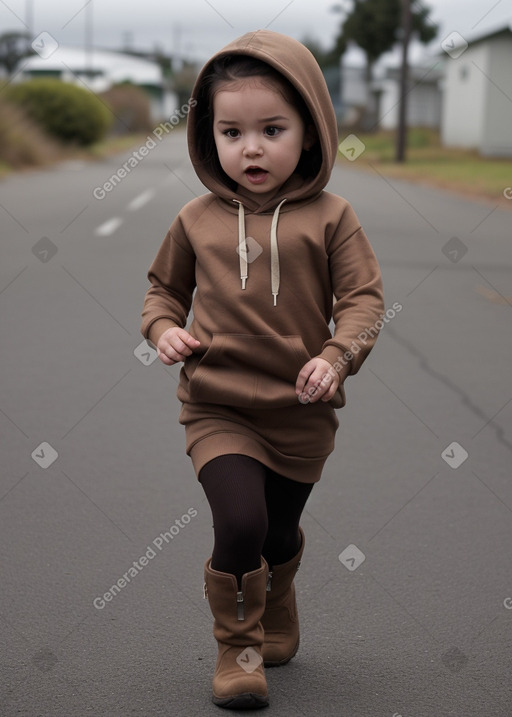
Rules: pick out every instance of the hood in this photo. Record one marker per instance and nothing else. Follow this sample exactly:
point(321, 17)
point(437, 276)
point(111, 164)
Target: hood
point(297, 64)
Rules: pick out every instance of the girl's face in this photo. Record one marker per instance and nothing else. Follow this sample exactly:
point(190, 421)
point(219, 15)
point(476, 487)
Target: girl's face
point(259, 136)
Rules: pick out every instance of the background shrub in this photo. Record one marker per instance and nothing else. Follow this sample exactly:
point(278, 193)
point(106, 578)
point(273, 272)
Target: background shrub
point(22, 142)
point(69, 113)
point(130, 106)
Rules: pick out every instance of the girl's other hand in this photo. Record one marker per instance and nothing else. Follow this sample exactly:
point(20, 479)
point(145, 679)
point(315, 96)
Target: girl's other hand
point(175, 345)
point(317, 380)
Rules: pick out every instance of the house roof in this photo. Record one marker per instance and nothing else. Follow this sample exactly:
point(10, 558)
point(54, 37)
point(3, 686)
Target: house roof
point(117, 66)
point(489, 34)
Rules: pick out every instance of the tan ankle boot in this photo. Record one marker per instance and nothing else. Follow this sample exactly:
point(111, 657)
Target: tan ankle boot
point(239, 680)
point(280, 620)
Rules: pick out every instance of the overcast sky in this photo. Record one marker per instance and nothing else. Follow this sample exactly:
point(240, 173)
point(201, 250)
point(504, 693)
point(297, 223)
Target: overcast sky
point(198, 28)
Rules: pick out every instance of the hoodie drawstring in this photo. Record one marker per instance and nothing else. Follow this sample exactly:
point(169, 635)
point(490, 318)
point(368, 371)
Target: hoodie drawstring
point(275, 275)
point(242, 245)
point(274, 254)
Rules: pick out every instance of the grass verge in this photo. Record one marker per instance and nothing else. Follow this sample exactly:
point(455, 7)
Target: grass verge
point(106, 148)
point(428, 162)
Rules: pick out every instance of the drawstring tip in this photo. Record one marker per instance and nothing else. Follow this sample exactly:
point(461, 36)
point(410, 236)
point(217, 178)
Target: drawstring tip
point(275, 299)
point(244, 279)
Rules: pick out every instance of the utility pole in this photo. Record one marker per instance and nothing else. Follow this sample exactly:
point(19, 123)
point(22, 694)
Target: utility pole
point(88, 42)
point(176, 52)
point(401, 139)
point(29, 17)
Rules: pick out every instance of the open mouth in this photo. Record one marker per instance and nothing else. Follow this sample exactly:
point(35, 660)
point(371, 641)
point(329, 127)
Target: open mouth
point(256, 175)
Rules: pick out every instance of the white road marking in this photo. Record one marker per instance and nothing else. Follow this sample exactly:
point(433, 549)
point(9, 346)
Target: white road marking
point(141, 199)
point(108, 227)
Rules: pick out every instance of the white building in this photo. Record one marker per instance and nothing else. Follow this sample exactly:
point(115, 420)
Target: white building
point(423, 99)
point(477, 102)
point(99, 70)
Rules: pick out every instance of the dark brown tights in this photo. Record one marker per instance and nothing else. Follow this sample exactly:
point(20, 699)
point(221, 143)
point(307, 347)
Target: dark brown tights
point(255, 512)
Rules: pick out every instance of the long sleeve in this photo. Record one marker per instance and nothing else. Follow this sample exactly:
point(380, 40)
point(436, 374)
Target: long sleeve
point(172, 277)
point(359, 301)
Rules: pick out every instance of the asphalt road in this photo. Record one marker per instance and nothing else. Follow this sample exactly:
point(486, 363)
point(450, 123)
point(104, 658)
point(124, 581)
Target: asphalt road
point(405, 590)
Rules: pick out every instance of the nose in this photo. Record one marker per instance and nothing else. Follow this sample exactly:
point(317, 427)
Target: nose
point(252, 147)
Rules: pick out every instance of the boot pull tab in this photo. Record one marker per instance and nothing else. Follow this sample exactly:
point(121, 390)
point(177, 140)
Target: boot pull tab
point(205, 592)
point(240, 606)
point(269, 581)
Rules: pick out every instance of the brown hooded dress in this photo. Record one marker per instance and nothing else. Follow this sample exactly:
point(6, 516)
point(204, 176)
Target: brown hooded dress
point(238, 390)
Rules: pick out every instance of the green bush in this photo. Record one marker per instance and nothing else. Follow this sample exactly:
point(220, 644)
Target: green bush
point(70, 113)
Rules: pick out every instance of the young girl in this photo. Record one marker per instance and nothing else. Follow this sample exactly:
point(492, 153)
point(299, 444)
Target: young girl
point(265, 252)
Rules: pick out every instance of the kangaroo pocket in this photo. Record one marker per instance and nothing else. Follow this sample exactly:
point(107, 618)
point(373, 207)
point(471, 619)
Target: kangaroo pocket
point(248, 371)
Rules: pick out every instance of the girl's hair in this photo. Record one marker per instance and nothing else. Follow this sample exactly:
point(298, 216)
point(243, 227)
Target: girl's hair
point(231, 68)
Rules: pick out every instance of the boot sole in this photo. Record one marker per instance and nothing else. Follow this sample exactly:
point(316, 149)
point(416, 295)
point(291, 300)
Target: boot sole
point(245, 701)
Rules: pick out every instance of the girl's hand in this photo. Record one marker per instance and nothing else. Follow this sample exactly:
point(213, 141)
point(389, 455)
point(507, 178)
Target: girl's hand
point(317, 380)
point(175, 345)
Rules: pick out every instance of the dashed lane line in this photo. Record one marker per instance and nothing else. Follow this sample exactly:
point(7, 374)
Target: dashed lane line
point(108, 227)
point(113, 224)
point(141, 200)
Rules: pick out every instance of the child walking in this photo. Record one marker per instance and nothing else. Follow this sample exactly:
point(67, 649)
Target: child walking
point(272, 258)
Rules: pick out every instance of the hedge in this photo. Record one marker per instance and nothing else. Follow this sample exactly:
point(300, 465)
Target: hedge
point(71, 114)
